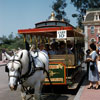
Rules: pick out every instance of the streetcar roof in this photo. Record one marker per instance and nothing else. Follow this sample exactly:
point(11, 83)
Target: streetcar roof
point(50, 31)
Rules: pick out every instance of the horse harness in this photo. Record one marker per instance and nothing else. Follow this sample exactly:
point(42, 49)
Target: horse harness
point(31, 70)
point(12, 68)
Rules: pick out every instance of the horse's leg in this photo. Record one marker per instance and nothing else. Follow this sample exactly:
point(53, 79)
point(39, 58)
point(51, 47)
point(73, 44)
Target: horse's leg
point(37, 91)
point(41, 86)
point(23, 94)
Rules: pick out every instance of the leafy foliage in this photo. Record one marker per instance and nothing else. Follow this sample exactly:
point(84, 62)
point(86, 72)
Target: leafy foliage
point(58, 7)
point(82, 6)
point(12, 42)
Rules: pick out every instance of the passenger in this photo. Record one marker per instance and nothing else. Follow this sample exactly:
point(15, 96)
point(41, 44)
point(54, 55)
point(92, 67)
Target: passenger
point(52, 51)
point(55, 45)
point(47, 47)
point(93, 70)
point(62, 48)
point(69, 47)
point(32, 48)
point(41, 47)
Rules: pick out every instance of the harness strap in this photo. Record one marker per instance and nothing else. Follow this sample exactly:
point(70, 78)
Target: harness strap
point(33, 63)
point(34, 67)
point(48, 76)
point(29, 68)
point(30, 73)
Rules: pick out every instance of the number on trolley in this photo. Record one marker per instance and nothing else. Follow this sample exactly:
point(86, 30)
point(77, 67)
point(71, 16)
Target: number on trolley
point(61, 34)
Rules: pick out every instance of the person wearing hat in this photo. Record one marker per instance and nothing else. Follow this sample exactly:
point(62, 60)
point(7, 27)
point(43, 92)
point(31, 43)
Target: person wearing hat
point(41, 47)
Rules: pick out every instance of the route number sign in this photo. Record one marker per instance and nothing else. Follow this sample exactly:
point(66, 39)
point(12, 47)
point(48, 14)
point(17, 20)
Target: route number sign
point(61, 34)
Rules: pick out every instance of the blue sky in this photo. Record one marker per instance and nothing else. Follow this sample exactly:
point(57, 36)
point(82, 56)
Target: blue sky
point(23, 14)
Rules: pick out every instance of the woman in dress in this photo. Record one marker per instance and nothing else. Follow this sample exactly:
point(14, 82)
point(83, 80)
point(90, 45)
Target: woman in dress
point(93, 74)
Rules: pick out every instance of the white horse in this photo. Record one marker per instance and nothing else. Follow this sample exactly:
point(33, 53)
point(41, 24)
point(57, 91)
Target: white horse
point(28, 70)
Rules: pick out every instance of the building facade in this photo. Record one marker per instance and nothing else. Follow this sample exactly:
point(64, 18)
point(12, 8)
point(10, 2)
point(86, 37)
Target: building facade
point(92, 27)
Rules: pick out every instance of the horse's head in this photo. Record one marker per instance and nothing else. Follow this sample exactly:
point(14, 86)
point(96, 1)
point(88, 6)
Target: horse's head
point(14, 67)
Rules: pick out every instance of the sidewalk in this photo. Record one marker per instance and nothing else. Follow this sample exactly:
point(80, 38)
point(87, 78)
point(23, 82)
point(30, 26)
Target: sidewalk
point(2, 63)
point(87, 94)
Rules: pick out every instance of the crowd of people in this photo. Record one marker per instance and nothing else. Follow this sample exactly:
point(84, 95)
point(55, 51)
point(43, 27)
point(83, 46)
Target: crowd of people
point(93, 66)
point(56, 48)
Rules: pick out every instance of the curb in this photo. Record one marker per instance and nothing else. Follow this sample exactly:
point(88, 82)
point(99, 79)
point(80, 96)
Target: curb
point(2, 65)
point(79, 93)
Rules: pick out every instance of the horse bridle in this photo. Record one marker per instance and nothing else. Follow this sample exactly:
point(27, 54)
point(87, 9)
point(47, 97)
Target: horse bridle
point(24, 76)
point(13, 69)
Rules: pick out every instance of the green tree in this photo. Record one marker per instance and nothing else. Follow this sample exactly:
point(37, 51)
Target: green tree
point(82, 6)
point(5, 40)
point(58, 7)
point(12, 42)
point(11, 37)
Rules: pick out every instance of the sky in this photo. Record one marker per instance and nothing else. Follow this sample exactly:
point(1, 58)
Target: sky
point(23, 14)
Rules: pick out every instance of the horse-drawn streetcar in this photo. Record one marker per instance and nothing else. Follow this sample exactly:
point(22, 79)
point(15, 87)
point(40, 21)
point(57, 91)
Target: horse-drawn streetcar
point(64, 44)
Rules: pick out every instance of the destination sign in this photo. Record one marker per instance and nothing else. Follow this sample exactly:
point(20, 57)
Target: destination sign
point(61, 34)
